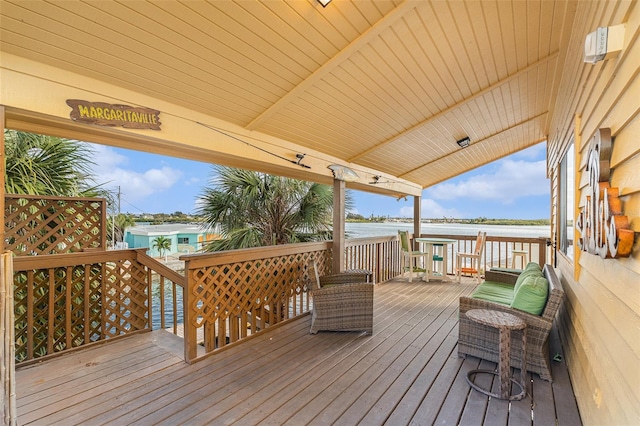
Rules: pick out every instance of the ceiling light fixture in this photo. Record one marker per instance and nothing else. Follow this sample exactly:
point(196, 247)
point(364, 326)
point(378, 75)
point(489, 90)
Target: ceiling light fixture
point(343, 173)
point(324, 3)
point(464, 142)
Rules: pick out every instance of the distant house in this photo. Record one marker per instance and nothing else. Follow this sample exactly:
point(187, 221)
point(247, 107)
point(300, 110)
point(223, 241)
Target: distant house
point(185, 238)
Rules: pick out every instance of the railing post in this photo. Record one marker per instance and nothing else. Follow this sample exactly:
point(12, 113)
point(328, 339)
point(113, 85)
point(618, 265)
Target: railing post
point(190, 334)
point(9, 414)
point(378, 262)
point(339, 189)
point(542, 251)
point(417, 219)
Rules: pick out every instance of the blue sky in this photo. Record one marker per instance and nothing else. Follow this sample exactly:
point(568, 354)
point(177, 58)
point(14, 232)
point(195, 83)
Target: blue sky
point(514, 187)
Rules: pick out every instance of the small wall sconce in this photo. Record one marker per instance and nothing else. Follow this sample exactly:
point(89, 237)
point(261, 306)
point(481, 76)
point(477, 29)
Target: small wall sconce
point(464, 142)
point(324, 3)
point(343, 173)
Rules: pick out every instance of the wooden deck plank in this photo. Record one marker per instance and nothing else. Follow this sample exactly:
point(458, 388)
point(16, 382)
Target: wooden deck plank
point(408, 372)
point(476, 401)
point(194, 386)
point(139, 392)
point(89, 375)
point(70, 365)
point(220, 415)
point(455, 401)
point(389, 327)
point(329, 390)
point(404, 369)
point(520, 414)
point(302, 389)
point(256, 379)
point(434, 382)
point(87, 395)
point(565, 402)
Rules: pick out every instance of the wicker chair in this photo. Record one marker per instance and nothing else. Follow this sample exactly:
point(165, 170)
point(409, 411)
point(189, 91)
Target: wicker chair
point(482, 341)
point(341, 302)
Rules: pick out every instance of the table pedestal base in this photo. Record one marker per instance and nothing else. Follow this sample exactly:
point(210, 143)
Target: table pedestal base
point(518, 397)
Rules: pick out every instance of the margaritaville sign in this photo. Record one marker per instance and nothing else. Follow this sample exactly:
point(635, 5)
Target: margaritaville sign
point(104, 114)
point(603, 229)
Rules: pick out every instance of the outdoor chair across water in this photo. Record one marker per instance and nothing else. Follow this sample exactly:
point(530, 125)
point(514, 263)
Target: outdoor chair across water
point(341, 302)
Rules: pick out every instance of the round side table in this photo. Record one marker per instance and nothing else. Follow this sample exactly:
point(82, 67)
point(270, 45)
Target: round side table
point(504, 323)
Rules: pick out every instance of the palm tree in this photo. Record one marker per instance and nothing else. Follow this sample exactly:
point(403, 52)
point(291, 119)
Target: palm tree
point(255, 209)
point(47, 165)
point(162, 244)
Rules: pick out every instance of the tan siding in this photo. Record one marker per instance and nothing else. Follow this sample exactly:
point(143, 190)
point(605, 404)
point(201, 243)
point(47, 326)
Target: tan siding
point(601, 322)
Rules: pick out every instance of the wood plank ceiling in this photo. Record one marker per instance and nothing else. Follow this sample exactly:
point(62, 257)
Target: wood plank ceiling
point(386, 84)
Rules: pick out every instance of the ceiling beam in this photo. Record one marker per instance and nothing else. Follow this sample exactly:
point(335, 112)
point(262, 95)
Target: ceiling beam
point(475, 143)
point(453, 107)
point(328, 67)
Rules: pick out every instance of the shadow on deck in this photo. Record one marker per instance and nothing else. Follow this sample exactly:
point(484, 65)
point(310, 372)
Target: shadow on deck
point(408, 372)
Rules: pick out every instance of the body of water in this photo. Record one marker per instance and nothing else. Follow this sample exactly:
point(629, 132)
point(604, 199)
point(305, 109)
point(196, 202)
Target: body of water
point(361, 230)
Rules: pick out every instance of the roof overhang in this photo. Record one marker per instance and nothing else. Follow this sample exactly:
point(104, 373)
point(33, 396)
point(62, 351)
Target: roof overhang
point(383, 87)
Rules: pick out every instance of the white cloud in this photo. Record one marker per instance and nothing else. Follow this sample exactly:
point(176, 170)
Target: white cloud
point(512, 180)
point(535, 152)
point(111, 169)
point(430, 209)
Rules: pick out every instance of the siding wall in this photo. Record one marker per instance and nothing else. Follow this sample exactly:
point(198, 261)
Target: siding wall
point(600, 323)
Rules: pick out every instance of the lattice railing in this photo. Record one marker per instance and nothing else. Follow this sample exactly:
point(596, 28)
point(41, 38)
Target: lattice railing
point(237, 293)
point(49, 225)
point(67, 301)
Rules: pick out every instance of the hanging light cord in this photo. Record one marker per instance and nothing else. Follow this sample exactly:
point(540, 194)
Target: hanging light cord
point(296, 162)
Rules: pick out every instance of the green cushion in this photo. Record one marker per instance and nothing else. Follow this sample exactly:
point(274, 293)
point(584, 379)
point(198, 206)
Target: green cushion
point(532, 294)
point(494, 292)
point(531, 272)
point(507, 270)
point(533, 266)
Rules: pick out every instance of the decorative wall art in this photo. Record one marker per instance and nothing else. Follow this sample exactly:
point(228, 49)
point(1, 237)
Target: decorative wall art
point(603, 229)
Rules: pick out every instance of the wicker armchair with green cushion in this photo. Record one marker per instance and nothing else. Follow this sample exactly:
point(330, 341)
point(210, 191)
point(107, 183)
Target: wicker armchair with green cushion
point(534, 295)
point(341, 302)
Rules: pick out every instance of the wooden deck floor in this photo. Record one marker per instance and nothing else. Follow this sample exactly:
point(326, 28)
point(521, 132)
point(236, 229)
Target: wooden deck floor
point(408, 372)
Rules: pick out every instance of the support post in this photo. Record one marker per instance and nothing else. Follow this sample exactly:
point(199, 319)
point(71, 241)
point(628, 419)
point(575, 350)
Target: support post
point(339, 189)
point(2, 173)
point(417, 218)
point(8, 411)
point(190, 332)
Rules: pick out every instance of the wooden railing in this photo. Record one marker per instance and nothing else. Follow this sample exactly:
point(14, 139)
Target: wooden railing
point(380, 255)
point(235, 294)
point(167, 290)
point(63, 302)
point(497, 251)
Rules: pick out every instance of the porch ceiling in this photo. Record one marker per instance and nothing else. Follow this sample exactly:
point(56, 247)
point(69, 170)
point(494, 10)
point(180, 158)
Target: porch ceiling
point(386, 84)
